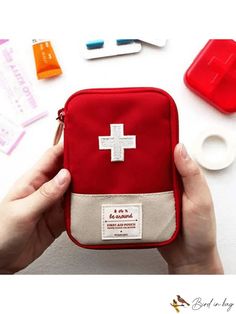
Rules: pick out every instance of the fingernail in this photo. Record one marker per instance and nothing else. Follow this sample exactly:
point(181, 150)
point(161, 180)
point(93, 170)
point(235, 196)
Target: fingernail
point(183, 152)
point(61, 176)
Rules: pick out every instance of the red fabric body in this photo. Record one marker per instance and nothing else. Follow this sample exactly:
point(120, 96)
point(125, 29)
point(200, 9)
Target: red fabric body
point(212, 75)
point(148, 113)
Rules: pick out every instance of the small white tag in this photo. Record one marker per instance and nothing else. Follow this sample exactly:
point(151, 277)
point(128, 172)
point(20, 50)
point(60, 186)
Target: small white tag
point(121, 221)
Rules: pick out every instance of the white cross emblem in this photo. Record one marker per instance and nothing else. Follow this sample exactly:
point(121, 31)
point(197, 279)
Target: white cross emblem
point(117, 142)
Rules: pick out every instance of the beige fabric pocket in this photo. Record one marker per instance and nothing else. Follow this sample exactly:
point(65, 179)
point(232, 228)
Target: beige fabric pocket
point(158, 220)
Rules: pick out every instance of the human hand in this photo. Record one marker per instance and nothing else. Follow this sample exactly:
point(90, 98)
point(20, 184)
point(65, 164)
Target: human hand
point(195, 249)
point(31, 214)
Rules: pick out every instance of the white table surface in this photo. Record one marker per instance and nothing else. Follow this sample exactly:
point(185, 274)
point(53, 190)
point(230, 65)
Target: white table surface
point(163, 68)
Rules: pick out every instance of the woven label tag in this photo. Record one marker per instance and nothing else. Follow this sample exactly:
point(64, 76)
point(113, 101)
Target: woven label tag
point(121, 221)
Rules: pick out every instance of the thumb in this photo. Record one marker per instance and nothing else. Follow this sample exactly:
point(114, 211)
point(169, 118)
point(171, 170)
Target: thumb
point(48, 193)
point(195, 185)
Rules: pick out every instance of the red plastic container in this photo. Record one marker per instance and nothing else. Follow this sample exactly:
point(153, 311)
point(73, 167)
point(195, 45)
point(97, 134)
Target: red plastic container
point(212, 75)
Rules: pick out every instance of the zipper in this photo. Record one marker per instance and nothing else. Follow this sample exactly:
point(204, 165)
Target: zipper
point(61, 115)
point(60, 128)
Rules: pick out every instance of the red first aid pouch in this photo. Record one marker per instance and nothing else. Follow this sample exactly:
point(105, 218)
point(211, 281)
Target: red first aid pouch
point(118, 147)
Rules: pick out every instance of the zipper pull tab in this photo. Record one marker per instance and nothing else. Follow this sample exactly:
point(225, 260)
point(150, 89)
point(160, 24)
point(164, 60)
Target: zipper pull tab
point(61, 115)
point(60, 128)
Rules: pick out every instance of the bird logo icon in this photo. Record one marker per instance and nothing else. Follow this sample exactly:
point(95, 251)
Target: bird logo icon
point(181, 300)
point(179, 303)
